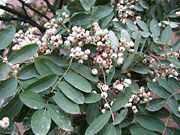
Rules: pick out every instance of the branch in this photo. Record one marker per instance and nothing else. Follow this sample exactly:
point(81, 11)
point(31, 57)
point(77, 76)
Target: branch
point(52, 8)
point(22, 17)
point(33, 9)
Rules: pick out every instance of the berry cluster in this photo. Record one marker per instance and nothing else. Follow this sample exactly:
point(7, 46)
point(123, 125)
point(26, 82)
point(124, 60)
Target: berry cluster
point(4, 123)
point(126, 9)
point(161, 69)
point(141, 97)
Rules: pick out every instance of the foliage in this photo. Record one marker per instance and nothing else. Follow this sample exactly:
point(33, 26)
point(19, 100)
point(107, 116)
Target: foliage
point(95, 70)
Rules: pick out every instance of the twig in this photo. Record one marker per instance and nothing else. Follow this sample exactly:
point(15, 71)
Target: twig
point(62, 75)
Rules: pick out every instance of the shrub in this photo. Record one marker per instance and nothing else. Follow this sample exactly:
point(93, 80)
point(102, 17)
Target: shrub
point(95, 70)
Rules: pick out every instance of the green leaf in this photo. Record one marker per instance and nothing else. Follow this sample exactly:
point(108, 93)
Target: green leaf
point(42, 83)
point(4, 70)
point(84, 71)
point(120, 117)
point(81, 19)
point(131, 25)
point(66, 104)
point(134, 87)
point(71, 92)
point(142, 25)
point(127, 63)
point(176, 46)
point(60, 61)
point(126, 35)
point(28, 72)
point(87, 4)
point(6, 37)
point(59, 117)
point(12, 108)
point(135, 130)
point(173, 131)
point(165, 84)
point(92, 98)
point(175, 84)
point(143, 4)
point(110, 130)
point(106, 20)
point(149, 122)
point(138, 8)
point(121, 99)
point(110, 75)
point(140, 68)
point(166, 34)
point(154, 28)
point(158, 90)
point(40, 122)
point(137, 41)
point(174, 106)
point(25, 53)
point(78, 81)
point(155, 104)
point(8, 88)
point(32, 100)
point(174, 61)
point(92, 112)
point(114, 40)
point(102, 12)
point(47, 67)
point(98, 123)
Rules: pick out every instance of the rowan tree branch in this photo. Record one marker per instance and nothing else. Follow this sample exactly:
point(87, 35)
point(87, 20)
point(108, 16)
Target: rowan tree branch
point(51, 7)
point(22, 17)
point(33, 9)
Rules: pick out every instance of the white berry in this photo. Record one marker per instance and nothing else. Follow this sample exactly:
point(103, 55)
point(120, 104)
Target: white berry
point(105, 87)
point(94, 71)
point(104, 95)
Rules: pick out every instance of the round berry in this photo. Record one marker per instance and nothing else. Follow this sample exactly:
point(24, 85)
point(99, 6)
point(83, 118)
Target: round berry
point(105, 87)
point(106, 105)
point(103, 110)
point(94, 71)
point(104, 95)
point(179, 108)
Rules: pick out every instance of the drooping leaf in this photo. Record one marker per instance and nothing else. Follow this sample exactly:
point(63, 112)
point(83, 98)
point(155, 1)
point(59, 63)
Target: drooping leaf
point(158, 90)
point(102, 12)
point(66, 104)
point(114, 40)
point(131, 25)
point(120, 117)
point(33, 100)
point(154, 28)
point(92, 98)
point(78, 81)
point(135, 130)
point(110, 76)
point(59, 117)
point(121, 99)
point(165, 84)
point(41, 122)
point(166, 34)
point(8, 88)
point(92, 112)
point(6, 37)
point(71, 92)
point(28, 72)
point(81, 19)
point(4, 70)
point(46, 67)
point(127, 63)
point(149, 122)
point(142, 25)
point(84, 71)
point(98, 123)
point(87, 4)
point(25, 53)
point(155, 104)
point(134, 87)
point(174, 61)
point(42, 83)
point(176, 46)
point(173, 104)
